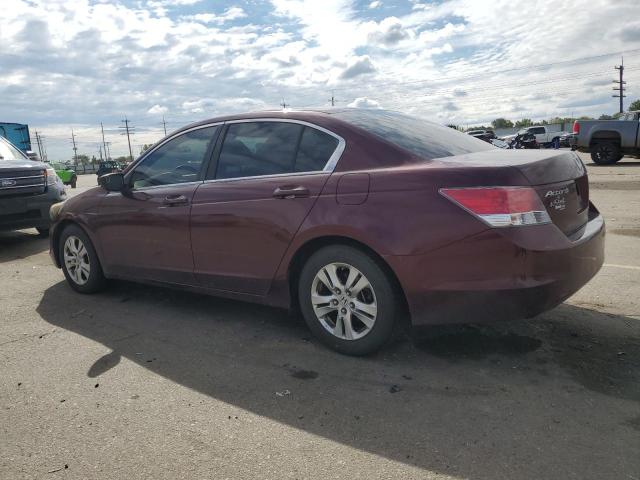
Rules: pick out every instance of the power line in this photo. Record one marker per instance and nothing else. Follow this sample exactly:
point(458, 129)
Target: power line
point(104, 144)
point(75, 149)
point(621, 88)
point(128, 131)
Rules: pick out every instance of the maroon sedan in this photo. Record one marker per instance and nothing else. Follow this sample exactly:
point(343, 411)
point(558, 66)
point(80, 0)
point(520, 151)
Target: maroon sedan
point(361, 219)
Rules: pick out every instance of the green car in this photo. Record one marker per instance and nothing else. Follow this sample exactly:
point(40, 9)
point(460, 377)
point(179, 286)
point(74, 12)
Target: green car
point(66, 174)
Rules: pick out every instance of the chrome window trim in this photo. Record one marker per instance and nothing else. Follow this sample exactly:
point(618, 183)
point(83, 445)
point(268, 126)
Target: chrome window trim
point(328, 168)
point(333, 159)
point(273, 175)
point(157, 187)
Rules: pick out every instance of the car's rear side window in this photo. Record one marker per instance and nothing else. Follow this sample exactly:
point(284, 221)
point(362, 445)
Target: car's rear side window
point(424, 139)
point(315, 149)
point(254, 149)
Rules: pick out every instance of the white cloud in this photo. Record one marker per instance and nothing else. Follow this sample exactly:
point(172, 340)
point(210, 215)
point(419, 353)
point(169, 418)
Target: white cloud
point(375, 4)
point(364, 102)
point(232, 13)
point(157, 110)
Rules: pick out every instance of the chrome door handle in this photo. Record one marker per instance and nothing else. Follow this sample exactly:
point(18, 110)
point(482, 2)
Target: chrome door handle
point(174, 200)
point(291, 192)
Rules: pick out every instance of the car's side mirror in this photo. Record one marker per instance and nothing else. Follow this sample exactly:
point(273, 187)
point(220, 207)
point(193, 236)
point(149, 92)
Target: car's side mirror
point(32, 155)
point(112, 182)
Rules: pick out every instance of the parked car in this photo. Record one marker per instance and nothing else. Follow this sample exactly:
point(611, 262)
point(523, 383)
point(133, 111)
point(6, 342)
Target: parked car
point(543, 134)
point(565, 139)
point(484, 135)
point(27, 190)
point(608, 140)
point(109, 166)
point(359, 218)
point(67, 174)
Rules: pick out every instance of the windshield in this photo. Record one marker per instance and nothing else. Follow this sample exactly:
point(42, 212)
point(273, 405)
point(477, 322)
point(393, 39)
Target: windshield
point(9, 152)
point(420, 137)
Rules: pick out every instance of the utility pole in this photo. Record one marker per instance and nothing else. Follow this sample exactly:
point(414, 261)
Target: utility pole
point(164, 124)
point(44, 148)
point(333, 99)
point(284, 104)
point(75, 149)
point(108, 151)
point(39, 145)
point(621, 88)
point(128, 131)
point(100, 151)
point(104, 144)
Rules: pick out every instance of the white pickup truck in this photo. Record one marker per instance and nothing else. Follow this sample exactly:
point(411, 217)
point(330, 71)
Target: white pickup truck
point(543, 134)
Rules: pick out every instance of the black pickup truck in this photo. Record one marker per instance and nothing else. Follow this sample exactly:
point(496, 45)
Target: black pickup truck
point(27, 189)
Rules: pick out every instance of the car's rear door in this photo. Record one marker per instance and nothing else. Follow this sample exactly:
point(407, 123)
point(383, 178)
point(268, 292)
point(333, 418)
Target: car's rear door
point(144, 230)
point(266, 178)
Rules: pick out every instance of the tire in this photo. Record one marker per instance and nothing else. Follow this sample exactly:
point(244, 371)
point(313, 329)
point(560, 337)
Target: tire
point(43, 232)
point(605, 153)
point(371, 312)
point(74, 181)
point(89, 279)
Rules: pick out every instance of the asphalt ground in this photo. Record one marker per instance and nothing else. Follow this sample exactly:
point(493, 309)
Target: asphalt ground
point(147, 382)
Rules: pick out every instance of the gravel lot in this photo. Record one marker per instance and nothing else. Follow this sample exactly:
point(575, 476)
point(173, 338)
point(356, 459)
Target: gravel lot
point(142, 382)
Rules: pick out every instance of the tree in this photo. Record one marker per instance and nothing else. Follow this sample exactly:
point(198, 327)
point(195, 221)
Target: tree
point(502, 123)
point(604, 116)
point(145, 147)
point(635, 105)
point(525, 122)
point(83, 159)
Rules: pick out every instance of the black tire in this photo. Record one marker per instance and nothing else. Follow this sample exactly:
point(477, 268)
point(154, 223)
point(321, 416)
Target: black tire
point(43, 232)
point(95, 280)
point(385, 297)
point(605, 153)
point(74, 181)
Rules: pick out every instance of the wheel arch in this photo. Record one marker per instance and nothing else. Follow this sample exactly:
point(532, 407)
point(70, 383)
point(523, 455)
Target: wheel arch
point(313, 245)
point(608, 136)
point(57, 233)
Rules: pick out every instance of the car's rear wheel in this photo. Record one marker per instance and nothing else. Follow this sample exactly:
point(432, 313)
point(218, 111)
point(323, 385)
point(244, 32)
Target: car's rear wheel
point(605, 153)
point(347, 300)
point(80, 262)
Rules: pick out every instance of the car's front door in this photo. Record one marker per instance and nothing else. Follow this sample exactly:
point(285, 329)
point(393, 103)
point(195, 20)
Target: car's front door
point(144, 230)
point(266, 179)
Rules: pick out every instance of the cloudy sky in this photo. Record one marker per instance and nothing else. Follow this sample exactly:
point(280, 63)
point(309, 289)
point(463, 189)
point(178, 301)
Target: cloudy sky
point(76, 63)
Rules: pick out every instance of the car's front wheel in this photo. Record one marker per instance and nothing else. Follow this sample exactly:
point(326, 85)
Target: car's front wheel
point(80, 262)
point(347, 300)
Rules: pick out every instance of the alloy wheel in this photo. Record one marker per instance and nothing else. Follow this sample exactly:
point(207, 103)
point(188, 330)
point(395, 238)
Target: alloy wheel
point(344, 301)
point(76, 260)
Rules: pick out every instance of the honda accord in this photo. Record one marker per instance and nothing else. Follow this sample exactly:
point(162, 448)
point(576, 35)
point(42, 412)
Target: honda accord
point(363, 220)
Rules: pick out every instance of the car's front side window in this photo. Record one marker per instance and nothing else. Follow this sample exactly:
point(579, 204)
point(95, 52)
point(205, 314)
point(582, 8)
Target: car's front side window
point(179, 160)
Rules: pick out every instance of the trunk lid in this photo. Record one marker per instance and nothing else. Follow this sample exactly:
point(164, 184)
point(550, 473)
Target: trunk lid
point(559, 178)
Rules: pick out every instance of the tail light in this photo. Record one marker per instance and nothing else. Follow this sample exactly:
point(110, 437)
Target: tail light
point(501, 206)
point(576, 127)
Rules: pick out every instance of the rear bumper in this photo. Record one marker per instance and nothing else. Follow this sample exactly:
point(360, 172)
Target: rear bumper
point(497, 275)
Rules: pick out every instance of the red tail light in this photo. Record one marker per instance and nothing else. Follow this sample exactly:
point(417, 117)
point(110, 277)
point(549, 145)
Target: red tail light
point(576, 127)
point(501, 206)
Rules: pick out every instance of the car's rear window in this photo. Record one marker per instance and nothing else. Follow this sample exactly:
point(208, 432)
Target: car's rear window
point(422, 138)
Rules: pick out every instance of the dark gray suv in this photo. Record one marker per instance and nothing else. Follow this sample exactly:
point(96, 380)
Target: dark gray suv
point(27, 189)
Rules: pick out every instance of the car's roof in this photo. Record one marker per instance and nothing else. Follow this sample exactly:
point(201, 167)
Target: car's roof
point(308, 115)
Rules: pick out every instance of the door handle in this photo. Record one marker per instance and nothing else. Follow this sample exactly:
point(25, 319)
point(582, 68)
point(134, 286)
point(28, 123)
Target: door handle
point(174, 200)
point(291, 192)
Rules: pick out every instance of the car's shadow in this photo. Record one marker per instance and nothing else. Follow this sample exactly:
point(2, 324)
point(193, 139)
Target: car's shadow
point(21, 244)
point(519, 400)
